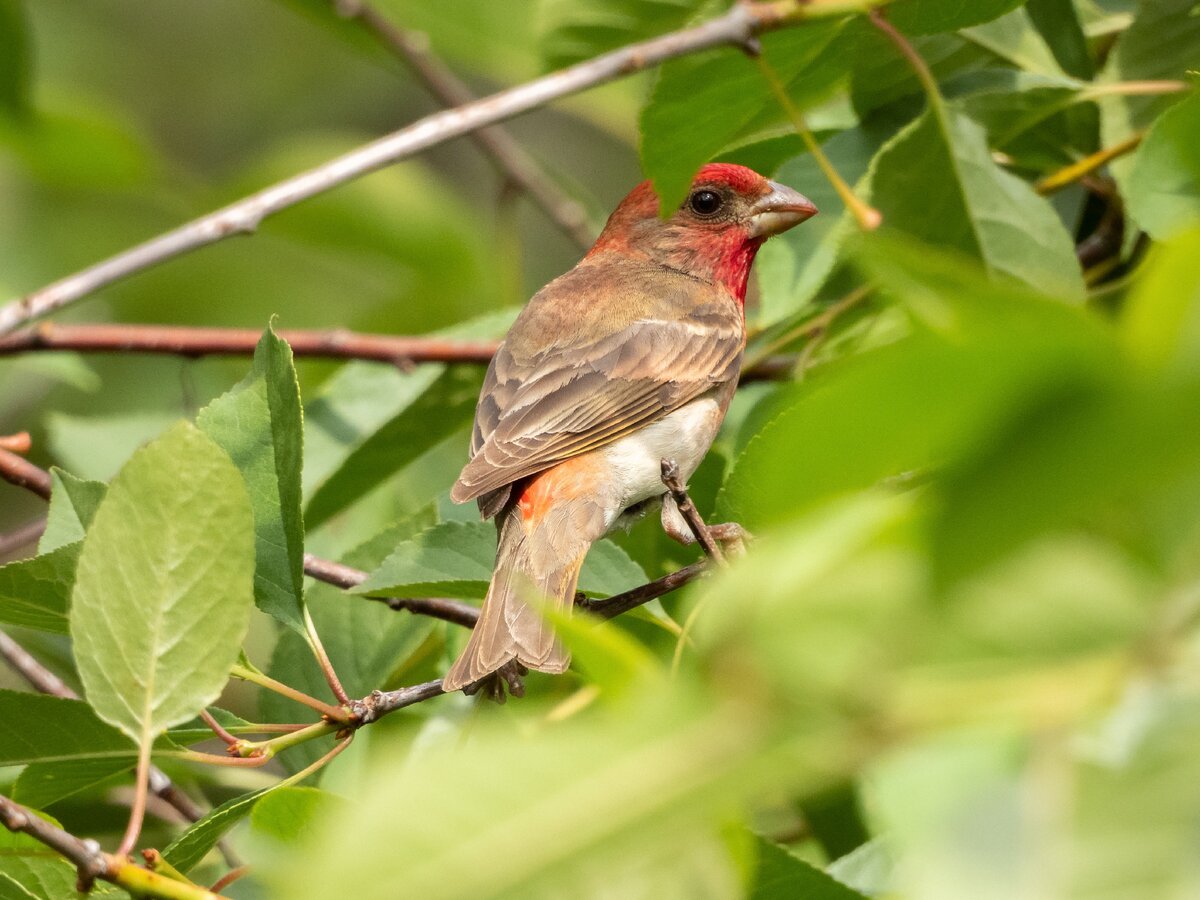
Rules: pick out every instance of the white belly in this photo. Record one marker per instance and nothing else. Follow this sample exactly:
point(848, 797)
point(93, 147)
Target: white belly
point(636, 460)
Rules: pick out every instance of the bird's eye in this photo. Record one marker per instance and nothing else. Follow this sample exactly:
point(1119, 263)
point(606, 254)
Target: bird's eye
point(705, 203)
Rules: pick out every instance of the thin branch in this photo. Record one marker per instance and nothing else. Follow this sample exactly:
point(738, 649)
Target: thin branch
point(218, 729)
point(1068, 175)
point(39, 677)
point(19, 471)
point(323, 661)
point(737, 27)
point(16, 443)
point(172, 340)
point(617, 604)
point(516, 165)
point(671, 478)
point(333, 713)
point(19, 538)
point(879, 19)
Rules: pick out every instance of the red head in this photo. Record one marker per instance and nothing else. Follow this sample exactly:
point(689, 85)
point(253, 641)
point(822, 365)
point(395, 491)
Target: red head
point(729, 211)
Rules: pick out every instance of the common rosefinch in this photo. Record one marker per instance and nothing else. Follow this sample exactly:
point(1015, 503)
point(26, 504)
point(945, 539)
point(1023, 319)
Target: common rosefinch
point(629, 358)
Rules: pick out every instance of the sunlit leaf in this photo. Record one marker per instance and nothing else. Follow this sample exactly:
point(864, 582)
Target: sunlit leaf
point(36, 593)
point(1164, 180)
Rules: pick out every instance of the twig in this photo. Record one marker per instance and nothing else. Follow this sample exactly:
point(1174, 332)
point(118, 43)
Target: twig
point(511, 159)
point(16, 443)
point(334, 713)
point(92, 863)
point(196, 342)
point(20, 538)
point(670, 477)
point(437, 607)
point(611, 607)
point(217, 728)
point(19, 471)
point(878, 18)
point(323, 661)
point(736, 27)
point(1067, 175)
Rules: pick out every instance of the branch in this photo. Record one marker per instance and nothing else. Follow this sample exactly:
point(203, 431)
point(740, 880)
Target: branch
point(346, 577)
point(92, 863)
point(691, 515)
point(191, 342)
point(517, 166)
point(736, 27)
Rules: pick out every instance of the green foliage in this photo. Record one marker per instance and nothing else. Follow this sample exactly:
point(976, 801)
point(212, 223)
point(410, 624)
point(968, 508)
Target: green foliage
point(259, 424)
point(958, 659)
point(162, 592)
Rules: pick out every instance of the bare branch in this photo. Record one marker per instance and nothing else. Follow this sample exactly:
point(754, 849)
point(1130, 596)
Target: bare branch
point(674, 483)
point(736, 27)
point(21, 472)
point(511, 159)
point(39, 677)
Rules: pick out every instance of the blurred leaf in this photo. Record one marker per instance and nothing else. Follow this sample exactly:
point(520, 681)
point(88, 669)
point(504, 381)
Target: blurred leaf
point(1162, 318)
point(867, 869)
point(293, 814)
point(609, 658)
point(1164, 179)
point(571, 32)
point(1012, 37)
point(37, 870)
point(1058, 23)
point(930, 16)
point(781, 876)
point(44, 783)
point(936, 181)
point(455, 559)
point(164, 584)
point(1160, 44)
point(97, 446)
point(49, 729)
point(259, 424)
point(921, 401)
point(73, 504)
point(705, 102)
point(36, 593)
point(15, 63)
point(882, 76)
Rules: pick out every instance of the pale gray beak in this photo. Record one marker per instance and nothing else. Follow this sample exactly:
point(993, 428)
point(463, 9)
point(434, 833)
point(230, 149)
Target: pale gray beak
point(779, 210)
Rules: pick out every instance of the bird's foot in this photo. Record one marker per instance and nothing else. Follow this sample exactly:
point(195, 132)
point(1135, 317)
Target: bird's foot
point(730, 535)
point(496, 686)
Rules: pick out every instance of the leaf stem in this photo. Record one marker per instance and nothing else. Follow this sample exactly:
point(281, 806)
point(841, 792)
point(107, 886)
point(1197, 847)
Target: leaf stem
point(335, 713)
point(217, 728)
point(327, 669)
point(867, 216)
point(137, 811)
point(1067, 175)
point(879, 19)
point(274, 746)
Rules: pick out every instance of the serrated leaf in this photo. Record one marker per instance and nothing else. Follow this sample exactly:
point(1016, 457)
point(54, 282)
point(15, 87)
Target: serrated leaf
point(164, 585)
point(936, 180)
point(782, 876)
point(187, 850)
point(42, 784)
point(455, 559)
point(39, 871)
point(705, 102)
point(41, 728)
point(1164, 179)
point(259, 424)
point(36, 593)
point(73, 504)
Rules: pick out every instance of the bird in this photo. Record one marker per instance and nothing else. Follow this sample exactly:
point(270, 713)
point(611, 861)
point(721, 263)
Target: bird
point(628, 359)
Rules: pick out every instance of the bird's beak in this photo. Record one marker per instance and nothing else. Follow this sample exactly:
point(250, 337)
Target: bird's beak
point(779, 210)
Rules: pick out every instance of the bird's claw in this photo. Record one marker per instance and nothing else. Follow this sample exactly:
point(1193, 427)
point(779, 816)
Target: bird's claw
point(496, 686)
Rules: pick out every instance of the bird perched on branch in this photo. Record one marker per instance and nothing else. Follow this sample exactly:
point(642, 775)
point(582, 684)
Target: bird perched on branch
point(629, 358)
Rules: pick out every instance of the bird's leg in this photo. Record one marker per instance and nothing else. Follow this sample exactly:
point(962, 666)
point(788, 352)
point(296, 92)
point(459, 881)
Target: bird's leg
point(510, 676)
point(730, 535)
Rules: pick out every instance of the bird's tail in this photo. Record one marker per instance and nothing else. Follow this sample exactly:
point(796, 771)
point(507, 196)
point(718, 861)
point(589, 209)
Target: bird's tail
point(528, 572)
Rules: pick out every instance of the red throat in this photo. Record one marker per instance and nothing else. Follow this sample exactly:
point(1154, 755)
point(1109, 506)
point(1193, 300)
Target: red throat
point(733, 267)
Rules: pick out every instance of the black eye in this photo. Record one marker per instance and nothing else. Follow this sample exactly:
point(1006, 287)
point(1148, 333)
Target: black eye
point(705, 203)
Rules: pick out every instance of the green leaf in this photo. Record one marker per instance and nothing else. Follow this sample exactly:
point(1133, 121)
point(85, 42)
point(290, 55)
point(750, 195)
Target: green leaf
point(455, 559)
point(97, 446)
point(36, 593)
point(571, 32)
point(73, 504)
point(447, 405)
point(37, 870)
point(936, 180)
point(1160, 44)
point(187, 850)
point(1161, 324)
point(1013, 38)
point(42, 784)
point(930, 16)
point(1058, 22)
point(1164, 180)
point(782, 876)
point(14, 57)
point(259, 424)
point(11, 889)
point(164, 585)
point(703, 103)
point(293, 814)
point(41, 728)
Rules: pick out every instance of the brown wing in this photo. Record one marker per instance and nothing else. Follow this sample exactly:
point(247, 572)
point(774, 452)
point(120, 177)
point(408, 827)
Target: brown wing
point(632, 345)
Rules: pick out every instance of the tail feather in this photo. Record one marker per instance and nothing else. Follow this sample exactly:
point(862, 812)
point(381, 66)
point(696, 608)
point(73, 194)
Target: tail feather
point(510, 626)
